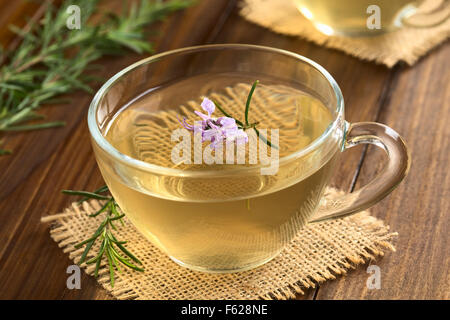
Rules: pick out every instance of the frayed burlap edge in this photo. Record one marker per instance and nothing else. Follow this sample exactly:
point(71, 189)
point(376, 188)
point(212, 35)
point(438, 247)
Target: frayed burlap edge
point(320, 252)
point(407, 44)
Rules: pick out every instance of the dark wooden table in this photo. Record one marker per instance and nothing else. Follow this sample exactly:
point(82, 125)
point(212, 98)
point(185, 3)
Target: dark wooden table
point(413, 100)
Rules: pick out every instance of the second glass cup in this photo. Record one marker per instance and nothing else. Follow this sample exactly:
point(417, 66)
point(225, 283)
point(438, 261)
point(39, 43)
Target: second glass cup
point(370, 17)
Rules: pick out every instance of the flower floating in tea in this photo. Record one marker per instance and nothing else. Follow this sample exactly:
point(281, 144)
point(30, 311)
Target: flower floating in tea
point(216, 130)
point(224, 129)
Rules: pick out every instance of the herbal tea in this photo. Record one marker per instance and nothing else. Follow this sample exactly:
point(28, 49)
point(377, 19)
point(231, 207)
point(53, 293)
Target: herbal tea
point(350, 16)
point(232, 218)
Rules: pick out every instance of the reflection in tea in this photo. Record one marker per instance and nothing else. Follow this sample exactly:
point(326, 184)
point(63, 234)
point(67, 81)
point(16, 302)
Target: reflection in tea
point(228, 222)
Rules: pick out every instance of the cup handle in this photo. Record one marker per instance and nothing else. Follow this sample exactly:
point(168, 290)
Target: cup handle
point(393, 173)
point(433, 18)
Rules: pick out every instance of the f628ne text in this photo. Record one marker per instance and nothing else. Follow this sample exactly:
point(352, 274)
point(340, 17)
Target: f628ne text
point(246, 309)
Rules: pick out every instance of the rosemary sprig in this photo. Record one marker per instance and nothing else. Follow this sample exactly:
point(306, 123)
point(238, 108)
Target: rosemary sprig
point(86, 195)
point(110, 248)
point(52, 60)
point(247, 124)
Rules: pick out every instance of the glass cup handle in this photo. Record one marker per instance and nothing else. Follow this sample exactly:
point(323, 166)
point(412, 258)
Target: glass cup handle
point(393, 173)
point(433, 18)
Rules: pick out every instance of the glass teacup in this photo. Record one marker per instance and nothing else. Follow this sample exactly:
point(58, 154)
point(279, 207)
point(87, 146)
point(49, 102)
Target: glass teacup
point(231, 217)
point(369, 17)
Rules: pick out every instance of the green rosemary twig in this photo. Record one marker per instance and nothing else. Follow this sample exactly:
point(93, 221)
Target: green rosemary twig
point(247, 125)
point(52, 60)
point(111, 248)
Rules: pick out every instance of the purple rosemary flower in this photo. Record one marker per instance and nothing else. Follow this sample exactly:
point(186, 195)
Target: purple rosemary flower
point(216, 130)
point(224, 129)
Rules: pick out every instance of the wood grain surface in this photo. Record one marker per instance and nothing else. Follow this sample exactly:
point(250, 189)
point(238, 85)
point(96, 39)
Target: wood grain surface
point(412, 100)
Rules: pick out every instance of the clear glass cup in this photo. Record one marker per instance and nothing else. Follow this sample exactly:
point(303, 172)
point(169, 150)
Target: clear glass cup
point(370, 17)
point(243, 219)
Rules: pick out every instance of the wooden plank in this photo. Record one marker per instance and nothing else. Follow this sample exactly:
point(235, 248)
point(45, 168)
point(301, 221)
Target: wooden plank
point(45, 162)
point(419, 109)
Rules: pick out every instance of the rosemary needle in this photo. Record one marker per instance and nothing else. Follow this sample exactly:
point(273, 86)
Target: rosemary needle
point(249, 99)
point(86, 194)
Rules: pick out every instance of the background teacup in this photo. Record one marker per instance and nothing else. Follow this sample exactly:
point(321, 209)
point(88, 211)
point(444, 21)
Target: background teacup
point(356, 17)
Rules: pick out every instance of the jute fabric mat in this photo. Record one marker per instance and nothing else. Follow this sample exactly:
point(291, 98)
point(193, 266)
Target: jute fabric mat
point(318, 253)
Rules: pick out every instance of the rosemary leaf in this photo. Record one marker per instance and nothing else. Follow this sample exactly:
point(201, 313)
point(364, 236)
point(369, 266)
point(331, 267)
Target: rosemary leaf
point(98, 191)
point(90, 195)
point(264, 139)
point(99, 256)
point(128, 253)
point(111, 269)
point(97, 265)
point(104, 233)
point(36, 126)
point(249, 99)
point(5, 152)
point(117, 218)
point(102, 209)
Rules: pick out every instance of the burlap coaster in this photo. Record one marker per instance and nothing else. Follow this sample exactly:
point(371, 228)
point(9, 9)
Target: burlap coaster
point(407, 44)
point(318, 253)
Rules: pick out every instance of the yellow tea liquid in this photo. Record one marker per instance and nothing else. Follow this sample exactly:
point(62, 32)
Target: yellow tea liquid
point(228, 221)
